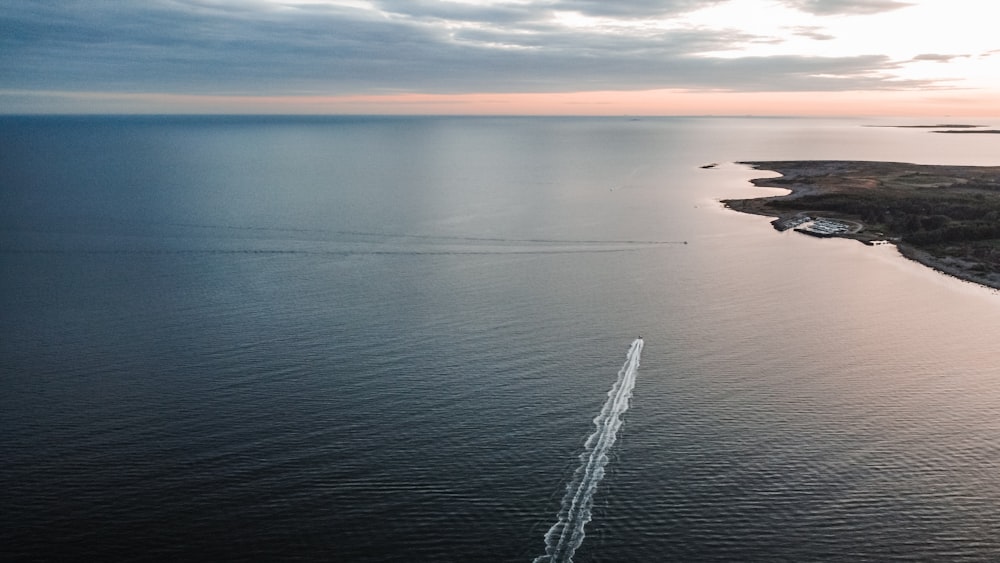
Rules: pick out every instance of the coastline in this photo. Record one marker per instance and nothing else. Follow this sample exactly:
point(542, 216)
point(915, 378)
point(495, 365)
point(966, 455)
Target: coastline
point(862, 197)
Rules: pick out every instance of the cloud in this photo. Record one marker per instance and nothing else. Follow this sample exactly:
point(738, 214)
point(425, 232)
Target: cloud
point(496, 14)
point(630, 9)
point(938, 58)
point(830, 7)
point(272, 47)
point(812, 32)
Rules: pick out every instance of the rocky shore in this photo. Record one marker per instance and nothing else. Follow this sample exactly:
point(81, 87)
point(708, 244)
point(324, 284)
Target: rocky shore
point(945, 217)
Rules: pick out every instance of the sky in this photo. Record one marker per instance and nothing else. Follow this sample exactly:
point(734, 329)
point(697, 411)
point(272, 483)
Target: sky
point(577, 57)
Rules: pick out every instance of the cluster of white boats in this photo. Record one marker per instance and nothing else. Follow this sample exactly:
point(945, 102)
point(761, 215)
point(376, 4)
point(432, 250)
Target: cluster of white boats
point(825, 227)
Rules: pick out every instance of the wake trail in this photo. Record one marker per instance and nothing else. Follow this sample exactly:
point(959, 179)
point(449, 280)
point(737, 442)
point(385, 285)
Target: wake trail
point(566, 535)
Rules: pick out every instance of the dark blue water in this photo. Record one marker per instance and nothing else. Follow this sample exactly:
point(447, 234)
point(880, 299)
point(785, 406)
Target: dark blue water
point(387, 339)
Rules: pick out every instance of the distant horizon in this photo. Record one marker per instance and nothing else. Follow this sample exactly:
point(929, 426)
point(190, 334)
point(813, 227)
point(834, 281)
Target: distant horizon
point(965, 121)
point(894, 58)
point(898, 104)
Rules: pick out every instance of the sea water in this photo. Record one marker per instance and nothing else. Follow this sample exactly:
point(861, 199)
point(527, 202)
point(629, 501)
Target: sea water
point(393, 339)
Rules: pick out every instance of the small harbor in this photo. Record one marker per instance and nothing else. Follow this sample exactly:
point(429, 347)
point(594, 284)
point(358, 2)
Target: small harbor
point(823, 227)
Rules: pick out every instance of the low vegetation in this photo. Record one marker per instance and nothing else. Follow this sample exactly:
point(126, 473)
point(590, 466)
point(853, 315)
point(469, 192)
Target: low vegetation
point(951, 213)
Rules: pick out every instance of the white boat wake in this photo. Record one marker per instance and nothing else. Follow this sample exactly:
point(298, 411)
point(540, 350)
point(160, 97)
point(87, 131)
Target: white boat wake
point(566, 535)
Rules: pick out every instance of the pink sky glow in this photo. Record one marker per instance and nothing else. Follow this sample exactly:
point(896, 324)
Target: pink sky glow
point(902, 103)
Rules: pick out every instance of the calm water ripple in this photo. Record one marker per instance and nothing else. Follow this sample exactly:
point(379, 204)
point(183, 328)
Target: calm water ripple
point(388, 341)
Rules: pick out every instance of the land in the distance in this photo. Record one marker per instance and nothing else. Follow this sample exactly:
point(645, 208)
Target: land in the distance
point(946, 128)
point(938, 126)
point(946, 217)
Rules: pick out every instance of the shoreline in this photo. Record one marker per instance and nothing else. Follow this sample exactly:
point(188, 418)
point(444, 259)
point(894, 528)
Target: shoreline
point(861, 196)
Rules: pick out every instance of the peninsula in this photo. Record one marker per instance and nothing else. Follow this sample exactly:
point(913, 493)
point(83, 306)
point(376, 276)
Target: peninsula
point(946, 217)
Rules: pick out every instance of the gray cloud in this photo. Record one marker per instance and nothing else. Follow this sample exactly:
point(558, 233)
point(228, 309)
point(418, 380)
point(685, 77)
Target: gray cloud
point(829, 7)
point(230, 47)
point(496, 14)
point(934, 57)
point(630, 9)
point(812, 32)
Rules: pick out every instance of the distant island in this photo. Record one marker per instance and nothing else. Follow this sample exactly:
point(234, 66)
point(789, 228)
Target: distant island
point(938, 126)
point(946, 128)
point(946, 217)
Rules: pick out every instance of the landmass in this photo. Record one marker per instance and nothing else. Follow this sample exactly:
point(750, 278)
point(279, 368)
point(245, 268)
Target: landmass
point(946, 217)
point(986, 131)
point(946, 128)
point(938, 126)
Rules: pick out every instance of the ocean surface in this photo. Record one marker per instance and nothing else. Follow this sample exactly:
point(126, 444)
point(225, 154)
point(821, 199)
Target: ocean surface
point(380, 339)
